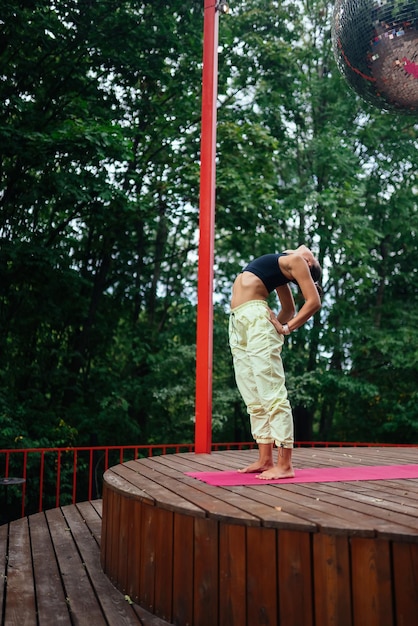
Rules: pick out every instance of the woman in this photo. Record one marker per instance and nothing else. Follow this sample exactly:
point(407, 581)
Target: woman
point(256, 338)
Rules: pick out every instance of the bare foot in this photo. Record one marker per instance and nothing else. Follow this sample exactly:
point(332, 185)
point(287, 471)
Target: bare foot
point(276, 472)
point(257, 466)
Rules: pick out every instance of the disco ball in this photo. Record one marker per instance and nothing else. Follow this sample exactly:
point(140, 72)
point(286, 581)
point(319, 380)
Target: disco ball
point(376, 47)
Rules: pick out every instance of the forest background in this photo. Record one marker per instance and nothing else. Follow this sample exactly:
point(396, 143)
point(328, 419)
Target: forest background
point(99, 183)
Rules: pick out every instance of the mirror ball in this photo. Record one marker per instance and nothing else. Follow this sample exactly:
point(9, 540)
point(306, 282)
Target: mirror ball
point(375, 44)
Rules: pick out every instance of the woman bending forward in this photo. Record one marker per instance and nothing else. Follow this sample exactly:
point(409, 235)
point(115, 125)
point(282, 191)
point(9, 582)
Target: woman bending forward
point(256, 337)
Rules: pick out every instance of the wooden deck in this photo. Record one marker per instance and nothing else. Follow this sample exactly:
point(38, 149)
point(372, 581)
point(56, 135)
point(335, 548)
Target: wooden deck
point(320, 554)
point(50, 573)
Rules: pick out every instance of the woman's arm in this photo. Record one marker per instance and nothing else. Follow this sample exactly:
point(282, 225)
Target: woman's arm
point(298, 269)
point(287, 304)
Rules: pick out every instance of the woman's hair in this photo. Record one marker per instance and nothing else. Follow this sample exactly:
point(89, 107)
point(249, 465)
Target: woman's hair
point(316, 273)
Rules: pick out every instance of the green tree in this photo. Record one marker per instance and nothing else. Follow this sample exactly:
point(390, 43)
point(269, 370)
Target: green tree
point(310, 162)
point(99, 182)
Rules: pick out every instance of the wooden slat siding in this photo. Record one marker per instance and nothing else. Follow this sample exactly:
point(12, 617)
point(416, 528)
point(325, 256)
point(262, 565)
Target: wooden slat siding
point(106, 543)
point(105, 534)
point(371, 582)
point(113, 531)
point(115, 608)
point(20, 594)
point(84, 606)
point(134, 557)
point(4, 529)
point(148, 549)
point(183, 572)
point(232, 575)
point(123, 548)
point(332, 593)
point(206, 571)
point(115, 489)
point(164, 521)
point(405, 578)
point(295, 578)
point(51, 602)
point(262, 583)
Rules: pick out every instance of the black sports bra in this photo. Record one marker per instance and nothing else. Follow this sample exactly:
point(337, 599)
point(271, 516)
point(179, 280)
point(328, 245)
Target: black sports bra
point(267, 268)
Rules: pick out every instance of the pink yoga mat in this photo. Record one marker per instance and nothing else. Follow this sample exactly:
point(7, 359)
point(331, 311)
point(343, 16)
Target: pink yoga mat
point(312, 475)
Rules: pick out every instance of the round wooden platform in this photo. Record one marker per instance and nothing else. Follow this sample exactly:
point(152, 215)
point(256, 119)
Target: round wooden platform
point(319, 554)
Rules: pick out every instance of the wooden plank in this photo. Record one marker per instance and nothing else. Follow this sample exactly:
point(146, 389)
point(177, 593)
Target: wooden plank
point(405, 579)
point(295, 578)
point(267, 513)
point(118, 478)
point(368, 493)
point(293, 499)
point(332, 590)
point(232, 575)
point(183, 560)
point(386, 522)
point(51, 601)
point(122, 546)
point(98, 506)
point(84, 606)
point(113, 499)
point(338, 514)
point(134, 556)
point(262, 584)
point(216, 461)
point(4, 529)
point(147, 564)
point(371, 582)
point(164, 522)
point(201, 496)
point(113, 604)
point(105, 532)
point(147, 619)
point(92, 519)
point(383, 490)
point(147, 483)
point(206, 571)
point(20, 592)
point(273, 514)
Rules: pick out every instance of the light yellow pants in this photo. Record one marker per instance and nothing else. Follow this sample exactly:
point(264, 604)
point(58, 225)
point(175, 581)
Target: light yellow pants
point(256, 350)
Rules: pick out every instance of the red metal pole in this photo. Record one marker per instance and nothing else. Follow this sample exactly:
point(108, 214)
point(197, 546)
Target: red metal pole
point(204, 341)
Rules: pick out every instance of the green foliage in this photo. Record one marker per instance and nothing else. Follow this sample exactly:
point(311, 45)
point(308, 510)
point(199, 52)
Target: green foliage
point(99, 174)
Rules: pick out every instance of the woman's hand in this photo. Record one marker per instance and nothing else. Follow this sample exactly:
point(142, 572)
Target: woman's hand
point(277, 325)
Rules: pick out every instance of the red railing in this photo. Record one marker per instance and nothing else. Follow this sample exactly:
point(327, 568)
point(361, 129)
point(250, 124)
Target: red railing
point(51, 477)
